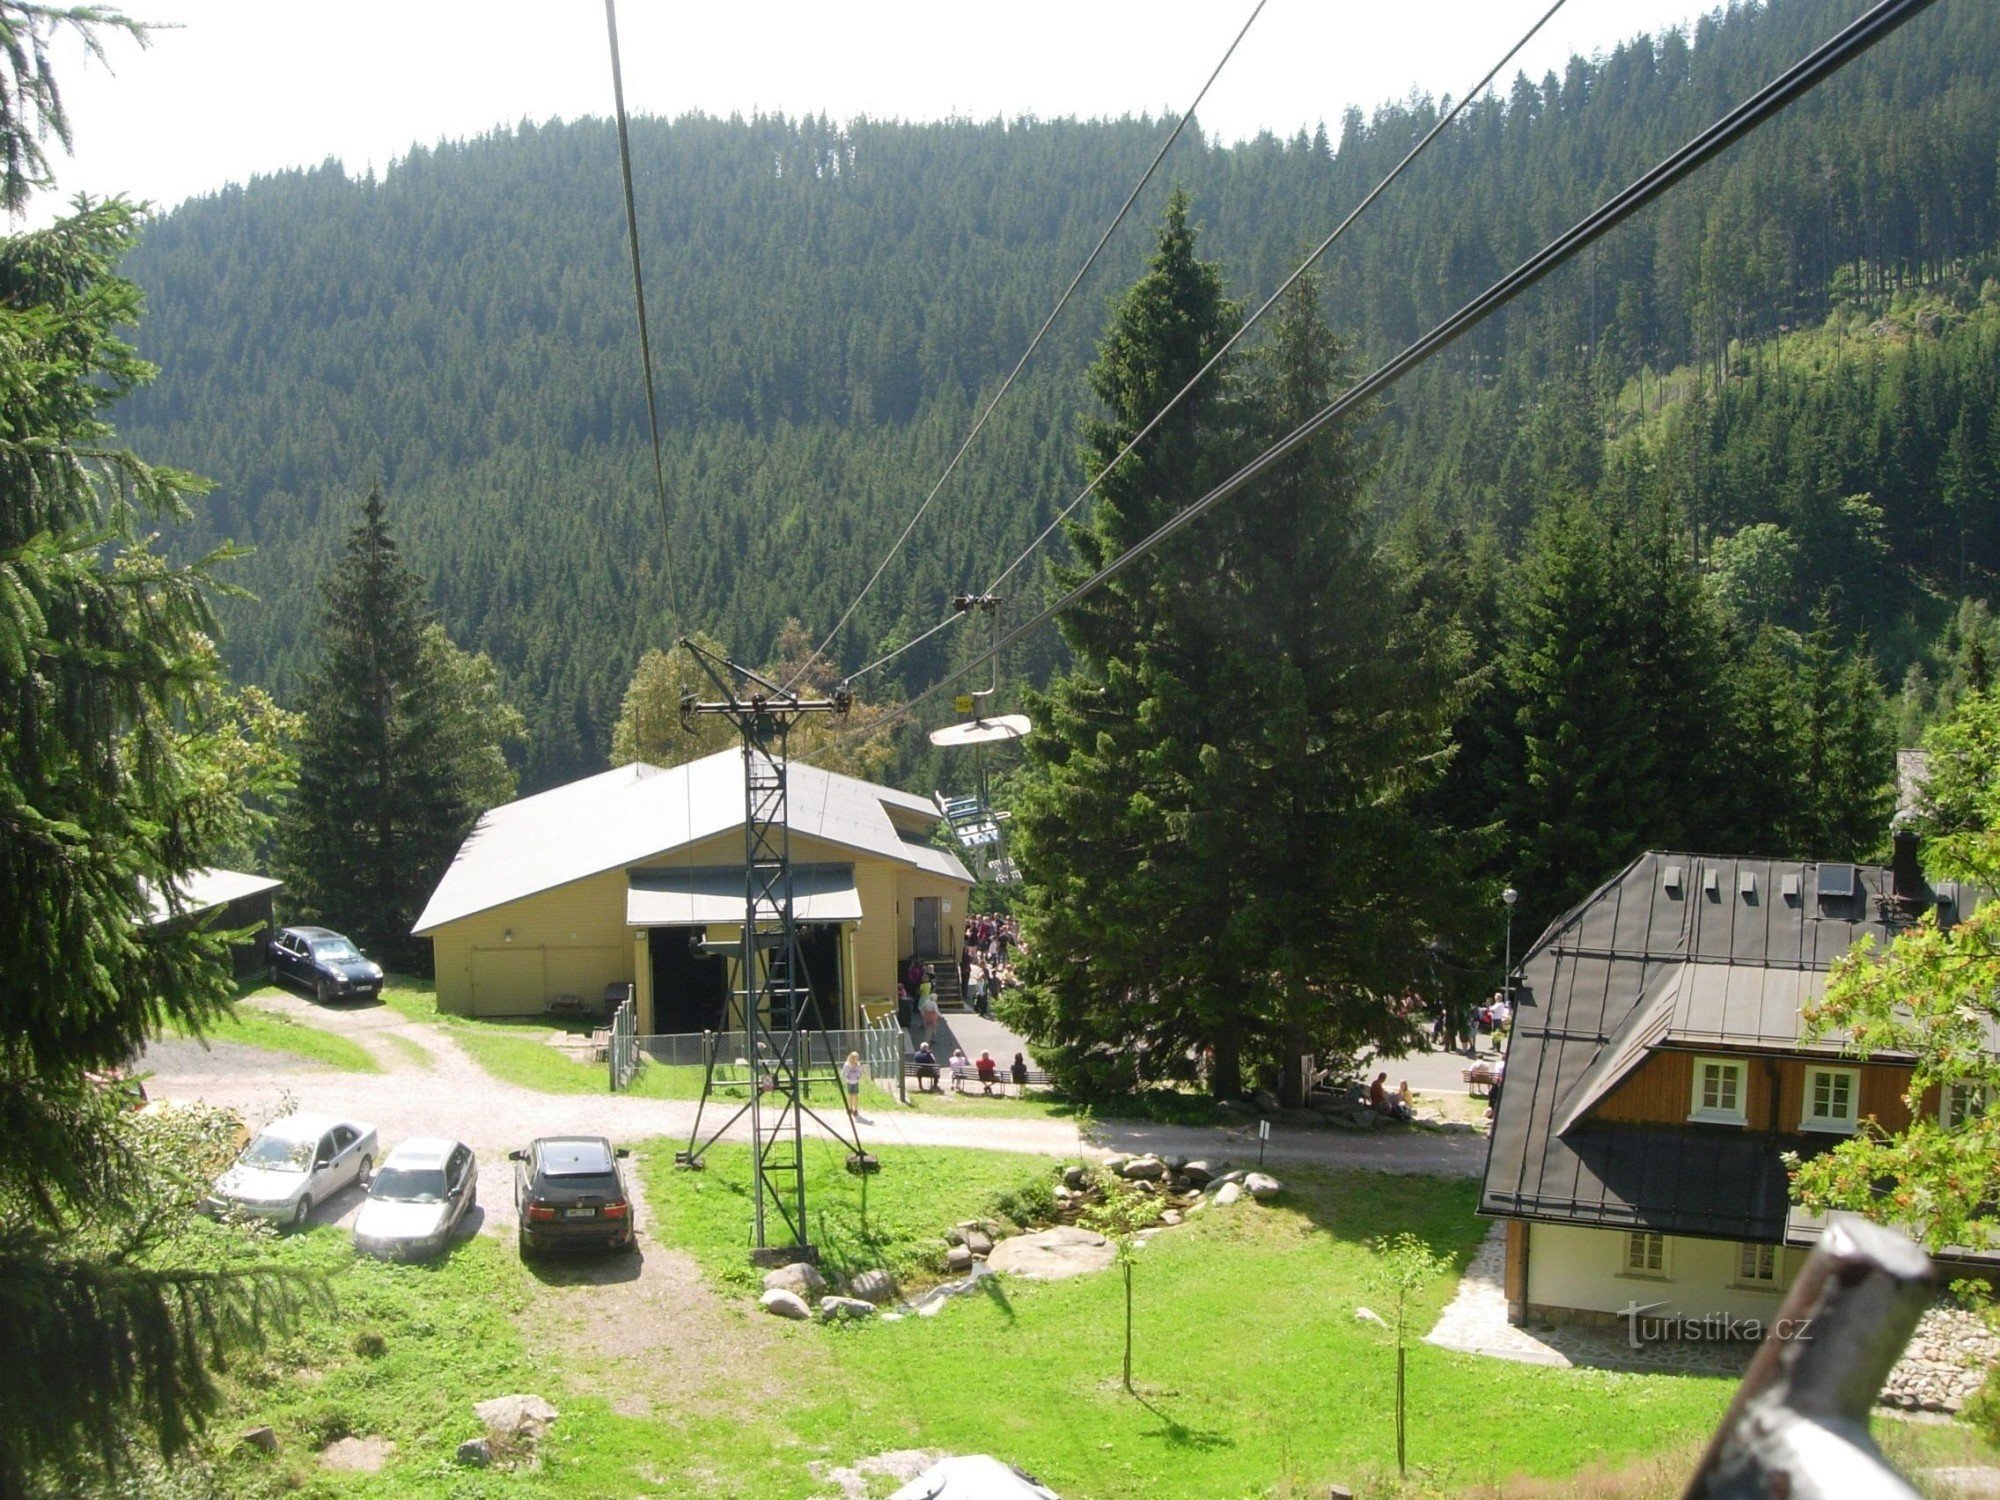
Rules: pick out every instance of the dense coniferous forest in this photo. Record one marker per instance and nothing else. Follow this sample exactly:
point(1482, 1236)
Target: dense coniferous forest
point(1797, 340)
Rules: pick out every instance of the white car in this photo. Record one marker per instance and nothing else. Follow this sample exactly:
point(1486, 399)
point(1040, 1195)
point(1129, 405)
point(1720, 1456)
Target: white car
point(294, 1163)
point(420, 1192)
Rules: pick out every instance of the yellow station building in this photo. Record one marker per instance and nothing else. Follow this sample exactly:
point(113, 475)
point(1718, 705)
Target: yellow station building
point(617, 879)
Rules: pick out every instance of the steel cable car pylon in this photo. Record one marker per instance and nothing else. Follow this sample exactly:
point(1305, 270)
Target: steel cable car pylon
point(980, 829)
point(768, 988)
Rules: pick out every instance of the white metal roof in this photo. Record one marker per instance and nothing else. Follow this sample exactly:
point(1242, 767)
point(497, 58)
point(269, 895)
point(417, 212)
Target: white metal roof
point(203, 890)
point(637, 813)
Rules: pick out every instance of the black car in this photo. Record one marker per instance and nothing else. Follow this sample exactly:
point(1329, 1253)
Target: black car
point(571, 1194)
point(324, 962)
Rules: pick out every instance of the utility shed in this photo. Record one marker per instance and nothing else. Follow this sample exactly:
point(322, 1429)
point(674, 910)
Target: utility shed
point(618, 878)
point(227, 900)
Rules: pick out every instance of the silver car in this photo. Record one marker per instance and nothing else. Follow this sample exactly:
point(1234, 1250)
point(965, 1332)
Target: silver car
point(420, 1193)
point(293, 1164)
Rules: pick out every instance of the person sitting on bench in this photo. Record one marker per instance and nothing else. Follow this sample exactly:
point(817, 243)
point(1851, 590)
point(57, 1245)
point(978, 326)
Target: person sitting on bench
point(989, 1071)
point(1020, 1072)
point(927, 1069)
point(959, 1069)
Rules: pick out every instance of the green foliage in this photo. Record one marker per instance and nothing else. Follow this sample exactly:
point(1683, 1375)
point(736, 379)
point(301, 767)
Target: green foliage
point(123, 767)
point(1933, 995)
point(400, 747)
point(1219, 820)
point(859, 289)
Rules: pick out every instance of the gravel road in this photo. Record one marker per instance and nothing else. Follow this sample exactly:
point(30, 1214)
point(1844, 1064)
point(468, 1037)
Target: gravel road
point(452, 1095)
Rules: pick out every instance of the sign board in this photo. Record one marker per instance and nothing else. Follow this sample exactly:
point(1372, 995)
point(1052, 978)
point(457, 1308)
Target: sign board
point(962, 703)
point(1263, 1130)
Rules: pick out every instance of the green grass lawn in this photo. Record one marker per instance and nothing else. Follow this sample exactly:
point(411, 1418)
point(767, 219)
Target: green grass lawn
point(257, 1028)
point(1254, 1377)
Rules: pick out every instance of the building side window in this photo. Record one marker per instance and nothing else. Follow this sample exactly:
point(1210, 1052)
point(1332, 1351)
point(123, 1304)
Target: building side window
point(1959, 1102)
point(1718, 1091)
point(1833, 1095)
point(1757, 1265)
point(1645, 1253)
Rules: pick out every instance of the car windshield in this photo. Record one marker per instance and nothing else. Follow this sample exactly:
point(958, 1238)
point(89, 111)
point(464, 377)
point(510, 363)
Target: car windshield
point(409, 1185)
point(336, 949)
point(273, 1154)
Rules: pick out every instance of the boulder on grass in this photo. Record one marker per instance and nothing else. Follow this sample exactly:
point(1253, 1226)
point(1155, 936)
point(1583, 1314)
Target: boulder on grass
point(784, 1304)
point(261, 1437)
point(1143, 1169)
point(516, 1416)
point(958, 1260)
point(979, 1242)
point(1228, 1193)
point(1074, 1177)
point(874, 1286)
point(835, 1309)
point(1115, 1163)
point(1261, 1187)
point(476, 1453)
point(801, 1278)
point(1052, 1254)
point(1200, 1173)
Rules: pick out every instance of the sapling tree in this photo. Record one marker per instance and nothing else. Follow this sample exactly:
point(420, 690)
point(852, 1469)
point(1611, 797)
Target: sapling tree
point(1404, 1266)
point(1119, 1219)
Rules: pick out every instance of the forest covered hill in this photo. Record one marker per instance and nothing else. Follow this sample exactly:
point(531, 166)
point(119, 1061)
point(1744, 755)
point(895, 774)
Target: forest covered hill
point(832, 302)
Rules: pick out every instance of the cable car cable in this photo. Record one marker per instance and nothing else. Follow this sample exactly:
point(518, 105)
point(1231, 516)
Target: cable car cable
point(639, 297)
point(1324, 245)
point(1033, 344)
point(1803, 76)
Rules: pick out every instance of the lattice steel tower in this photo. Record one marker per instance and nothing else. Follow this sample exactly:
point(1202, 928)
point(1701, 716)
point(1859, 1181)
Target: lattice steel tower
point(772, 994)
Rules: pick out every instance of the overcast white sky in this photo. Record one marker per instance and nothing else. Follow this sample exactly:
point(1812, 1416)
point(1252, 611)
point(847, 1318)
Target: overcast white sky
point(253, 86)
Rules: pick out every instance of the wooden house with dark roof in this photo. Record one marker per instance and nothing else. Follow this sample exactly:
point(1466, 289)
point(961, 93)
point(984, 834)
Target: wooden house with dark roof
point(1658, 1072)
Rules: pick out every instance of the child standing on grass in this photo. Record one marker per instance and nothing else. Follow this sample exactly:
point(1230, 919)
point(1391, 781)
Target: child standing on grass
point(850, 1075)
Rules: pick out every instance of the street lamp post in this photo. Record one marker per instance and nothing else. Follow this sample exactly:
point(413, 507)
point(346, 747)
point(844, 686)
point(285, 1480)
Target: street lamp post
point(1508, 897)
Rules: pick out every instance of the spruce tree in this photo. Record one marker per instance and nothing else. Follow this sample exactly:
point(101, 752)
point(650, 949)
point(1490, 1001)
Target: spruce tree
point(1218, 827)
point(118, 777)
point(1581, 804)
point(1125, 899)
point(382, 799)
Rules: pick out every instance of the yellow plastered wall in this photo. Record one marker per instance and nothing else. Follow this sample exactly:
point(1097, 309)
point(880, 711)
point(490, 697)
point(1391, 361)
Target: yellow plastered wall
point(512, 960)
point(573, 940)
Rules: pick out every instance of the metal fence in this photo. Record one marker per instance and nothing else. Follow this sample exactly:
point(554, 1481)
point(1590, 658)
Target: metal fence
point(737, 1062)
point(622, 1052)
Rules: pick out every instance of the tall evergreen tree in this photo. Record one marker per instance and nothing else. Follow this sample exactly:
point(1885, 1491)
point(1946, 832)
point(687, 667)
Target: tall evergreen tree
point(116, 781)
point(1127, 900)
point(383, 795)
point(1588, 754)
point(1218, 829)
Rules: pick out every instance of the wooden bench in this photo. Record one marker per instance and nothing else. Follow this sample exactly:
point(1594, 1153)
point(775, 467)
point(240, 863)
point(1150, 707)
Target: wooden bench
point(1003, 1081)
point(1480, 1078)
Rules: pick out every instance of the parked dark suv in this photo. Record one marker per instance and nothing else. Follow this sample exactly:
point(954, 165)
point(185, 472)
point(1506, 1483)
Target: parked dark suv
point(324, 962)
point(571, 1194)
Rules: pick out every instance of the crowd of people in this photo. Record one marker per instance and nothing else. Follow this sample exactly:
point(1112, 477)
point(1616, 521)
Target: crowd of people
point(985, 971)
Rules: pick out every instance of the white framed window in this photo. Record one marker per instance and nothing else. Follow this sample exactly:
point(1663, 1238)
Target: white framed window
point(1757, 1265)
point(1959, 1102)
point(1832, 1101)
point(1645, 1253)
point(1718, 1090)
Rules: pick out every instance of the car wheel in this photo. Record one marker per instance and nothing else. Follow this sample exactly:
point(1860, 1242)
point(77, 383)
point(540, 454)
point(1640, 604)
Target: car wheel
point(303, 1212)
point(320, 992)
point(521, 1237)
point(367, 1173)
